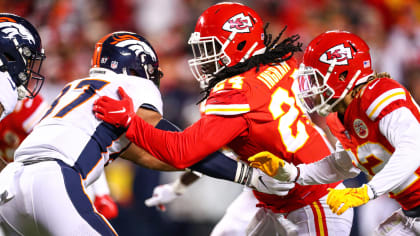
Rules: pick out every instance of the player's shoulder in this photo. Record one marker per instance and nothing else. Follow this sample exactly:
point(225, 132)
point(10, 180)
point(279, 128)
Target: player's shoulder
point(229, 97)
point(382, 95)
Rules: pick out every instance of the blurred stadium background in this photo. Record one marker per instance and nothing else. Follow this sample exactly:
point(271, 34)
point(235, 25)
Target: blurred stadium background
point(70, 28)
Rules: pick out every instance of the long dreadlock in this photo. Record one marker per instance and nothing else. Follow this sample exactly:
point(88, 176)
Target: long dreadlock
point(275, 53)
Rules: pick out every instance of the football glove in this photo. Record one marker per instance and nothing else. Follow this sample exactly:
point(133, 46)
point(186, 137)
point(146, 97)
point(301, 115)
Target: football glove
point(260, 181)
point(164, 194)
point(115, 112)
point(274, 166)
point(339, 200)
point(106, 206)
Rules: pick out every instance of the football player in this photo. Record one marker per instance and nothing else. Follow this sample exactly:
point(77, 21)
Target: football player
point(18, 124)
point(21, 56)
point(377, 124)
point(67, 151)
point(250, 107)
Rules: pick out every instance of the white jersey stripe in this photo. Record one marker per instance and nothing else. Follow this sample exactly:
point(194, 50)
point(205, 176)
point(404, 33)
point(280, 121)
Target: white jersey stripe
point(384, 100)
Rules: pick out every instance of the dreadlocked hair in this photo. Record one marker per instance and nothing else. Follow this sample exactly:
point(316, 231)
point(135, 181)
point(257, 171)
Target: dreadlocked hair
point(275, 53)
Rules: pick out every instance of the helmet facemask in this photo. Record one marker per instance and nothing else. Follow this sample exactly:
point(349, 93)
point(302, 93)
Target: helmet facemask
point(315, 93)
point(209, 57)
point(314, 90)
point(31, 78)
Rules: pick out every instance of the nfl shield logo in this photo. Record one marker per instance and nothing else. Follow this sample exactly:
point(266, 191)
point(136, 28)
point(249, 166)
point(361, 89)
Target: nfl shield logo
point(114, 64)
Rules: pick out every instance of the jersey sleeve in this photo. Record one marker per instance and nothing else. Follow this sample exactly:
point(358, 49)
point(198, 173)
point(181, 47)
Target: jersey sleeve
point(183, 149)
point(382, 96)
point(402, 130)
point(144, 93)
point(228, 98)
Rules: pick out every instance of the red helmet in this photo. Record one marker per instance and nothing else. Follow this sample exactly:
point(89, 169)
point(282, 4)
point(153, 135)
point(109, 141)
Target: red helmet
point(225, 34)
point(333, 64)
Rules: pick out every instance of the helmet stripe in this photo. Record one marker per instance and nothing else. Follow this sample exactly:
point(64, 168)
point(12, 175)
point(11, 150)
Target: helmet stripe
point(98, 49)
point(7, 19)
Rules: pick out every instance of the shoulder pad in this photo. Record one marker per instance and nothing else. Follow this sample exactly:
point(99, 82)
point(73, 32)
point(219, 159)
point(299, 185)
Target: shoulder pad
point(380, 94)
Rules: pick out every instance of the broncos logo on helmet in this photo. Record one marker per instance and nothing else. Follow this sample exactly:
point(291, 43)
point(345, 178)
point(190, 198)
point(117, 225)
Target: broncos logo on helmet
point(11, 30)
point(134, 44)
point(21, 54)
point(127, 53)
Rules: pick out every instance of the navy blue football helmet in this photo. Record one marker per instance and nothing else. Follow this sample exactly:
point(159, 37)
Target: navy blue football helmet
point(21, 53)
point(127, 53)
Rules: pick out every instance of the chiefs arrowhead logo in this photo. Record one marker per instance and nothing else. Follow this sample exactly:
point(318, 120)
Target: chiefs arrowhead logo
point(340, 53)
point(238, 23)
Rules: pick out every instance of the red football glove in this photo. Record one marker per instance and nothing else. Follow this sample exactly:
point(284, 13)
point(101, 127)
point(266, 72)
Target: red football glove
point(106, 206)
point(115, 112)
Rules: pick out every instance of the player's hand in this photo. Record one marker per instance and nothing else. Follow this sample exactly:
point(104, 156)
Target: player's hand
point(162, 194)
point(274, 166)
point(106, 206)
point(261, 182)
point(115, 112)
point(340, 200)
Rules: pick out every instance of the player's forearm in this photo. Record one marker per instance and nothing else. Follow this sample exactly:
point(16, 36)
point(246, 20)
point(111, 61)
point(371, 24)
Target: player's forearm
point(145, 159)
point(217, 165)
point(100, 186)
point(183, 149)
point(330, 169)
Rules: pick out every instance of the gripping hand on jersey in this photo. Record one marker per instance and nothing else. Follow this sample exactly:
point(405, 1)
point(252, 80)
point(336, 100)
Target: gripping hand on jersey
point(116, 112)
point(274, 166)
point(340, 200)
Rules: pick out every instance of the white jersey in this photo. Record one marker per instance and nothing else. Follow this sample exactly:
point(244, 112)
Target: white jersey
point(8, 94)
point(70, 131)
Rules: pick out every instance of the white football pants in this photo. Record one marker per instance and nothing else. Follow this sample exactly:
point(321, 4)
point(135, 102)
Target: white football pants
point(50, 197)
point(244, 218)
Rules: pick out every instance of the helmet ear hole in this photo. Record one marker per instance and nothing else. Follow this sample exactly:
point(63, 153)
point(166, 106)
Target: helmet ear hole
point(343, 75)
point(241, 45)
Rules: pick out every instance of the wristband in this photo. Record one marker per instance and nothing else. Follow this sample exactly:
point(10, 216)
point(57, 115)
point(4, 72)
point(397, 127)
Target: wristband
point(243, 173)
point(371, 192)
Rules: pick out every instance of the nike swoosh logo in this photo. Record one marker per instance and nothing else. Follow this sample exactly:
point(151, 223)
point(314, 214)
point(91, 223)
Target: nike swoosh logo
point(373, 85)
point(120, 111)
point(260, 179)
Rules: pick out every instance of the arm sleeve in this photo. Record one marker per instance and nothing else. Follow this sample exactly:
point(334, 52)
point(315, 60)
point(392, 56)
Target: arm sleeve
point(216, 165)
point(183, 149)
point(335, 167)
point(100, 186)
point(402, 130)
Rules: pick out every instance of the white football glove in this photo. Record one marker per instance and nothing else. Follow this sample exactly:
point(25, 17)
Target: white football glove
point(164, 194)
point(260, 181)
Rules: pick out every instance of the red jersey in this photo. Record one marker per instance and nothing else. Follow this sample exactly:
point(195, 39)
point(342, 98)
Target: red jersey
point(361, 137)
point(18, 124)
point(249, 113)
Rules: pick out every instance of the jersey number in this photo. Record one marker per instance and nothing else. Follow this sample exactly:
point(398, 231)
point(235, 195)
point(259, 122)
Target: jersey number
point(89, 86)
point(288, 120)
